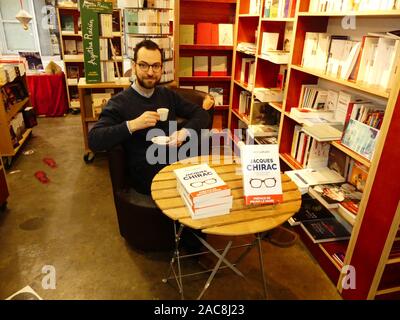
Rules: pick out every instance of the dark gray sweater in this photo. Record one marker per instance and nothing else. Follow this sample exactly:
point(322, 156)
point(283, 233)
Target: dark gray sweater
point(111, 129)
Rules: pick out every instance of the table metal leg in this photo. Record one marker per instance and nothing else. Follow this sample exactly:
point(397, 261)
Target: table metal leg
point(260, 254)
point(218, 255)
point(176, 256)
point(211, 277)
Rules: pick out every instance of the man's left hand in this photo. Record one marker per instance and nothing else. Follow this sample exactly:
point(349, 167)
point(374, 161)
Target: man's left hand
point(178, 137)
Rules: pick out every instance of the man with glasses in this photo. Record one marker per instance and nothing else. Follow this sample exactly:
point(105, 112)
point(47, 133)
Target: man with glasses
point(130, 114)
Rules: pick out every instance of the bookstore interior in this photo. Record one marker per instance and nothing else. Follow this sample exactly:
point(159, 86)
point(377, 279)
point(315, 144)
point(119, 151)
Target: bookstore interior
point(277, 175)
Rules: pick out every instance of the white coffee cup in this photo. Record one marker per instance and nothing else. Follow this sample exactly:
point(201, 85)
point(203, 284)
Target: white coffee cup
point(163, 112)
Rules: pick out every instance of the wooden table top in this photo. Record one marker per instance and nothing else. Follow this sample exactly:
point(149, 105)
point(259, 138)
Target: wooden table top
point(242, 219)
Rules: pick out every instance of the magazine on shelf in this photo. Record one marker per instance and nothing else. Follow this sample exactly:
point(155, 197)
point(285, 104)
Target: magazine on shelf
point(325, 230)
point(261, 174)
point(331, 195)
point(360, 138)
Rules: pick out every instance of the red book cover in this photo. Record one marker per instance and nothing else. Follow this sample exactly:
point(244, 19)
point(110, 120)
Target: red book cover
point(204, 33)
point(214, 34)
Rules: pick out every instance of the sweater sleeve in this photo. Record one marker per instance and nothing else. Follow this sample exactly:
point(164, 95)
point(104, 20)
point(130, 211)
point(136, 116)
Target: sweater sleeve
point(111, 129)
point(198, 118)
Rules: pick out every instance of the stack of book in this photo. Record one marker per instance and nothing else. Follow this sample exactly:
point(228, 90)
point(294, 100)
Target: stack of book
point(203, 191)
point(318, 222)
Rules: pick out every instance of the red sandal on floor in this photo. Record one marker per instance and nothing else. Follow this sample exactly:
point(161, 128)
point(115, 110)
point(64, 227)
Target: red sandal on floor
point(42, 177)
point(50, 162)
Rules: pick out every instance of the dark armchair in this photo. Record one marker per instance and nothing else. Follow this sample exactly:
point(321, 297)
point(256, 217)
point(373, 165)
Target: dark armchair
point(140, 221)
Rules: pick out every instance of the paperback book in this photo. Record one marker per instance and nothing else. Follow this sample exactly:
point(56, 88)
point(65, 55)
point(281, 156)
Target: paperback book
point(261, 174)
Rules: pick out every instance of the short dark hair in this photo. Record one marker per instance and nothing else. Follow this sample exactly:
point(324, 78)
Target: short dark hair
point(149, 45)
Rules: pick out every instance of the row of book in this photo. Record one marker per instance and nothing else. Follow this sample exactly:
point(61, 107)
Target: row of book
point(12, 93)
point(107, 71)
point(160, 4)
point(279, 8)
point(200, 66)
point(109, 49)
point(10, 70)
point(165, 44)
point(99, 101)
point(142, 21)
point(337, 106)
point(352, 5)
point(21, 121)
point(206, 33)
point(371, 61)
point(72, 46)
point(203, 191)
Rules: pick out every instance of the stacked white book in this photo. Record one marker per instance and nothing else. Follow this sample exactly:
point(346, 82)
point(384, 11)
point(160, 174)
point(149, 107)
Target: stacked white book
point(203, 191)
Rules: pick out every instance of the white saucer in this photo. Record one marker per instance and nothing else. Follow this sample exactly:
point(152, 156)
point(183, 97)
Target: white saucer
point(161, 140)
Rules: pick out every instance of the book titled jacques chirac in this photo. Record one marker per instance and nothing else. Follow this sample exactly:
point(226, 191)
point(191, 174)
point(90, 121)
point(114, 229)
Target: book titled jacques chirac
point(261, 174)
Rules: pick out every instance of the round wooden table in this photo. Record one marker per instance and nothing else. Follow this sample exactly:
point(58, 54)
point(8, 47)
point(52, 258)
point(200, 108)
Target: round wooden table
point(242, 220)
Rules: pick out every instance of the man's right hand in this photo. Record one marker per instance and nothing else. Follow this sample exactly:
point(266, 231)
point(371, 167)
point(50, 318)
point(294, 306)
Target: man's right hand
point(146, 120)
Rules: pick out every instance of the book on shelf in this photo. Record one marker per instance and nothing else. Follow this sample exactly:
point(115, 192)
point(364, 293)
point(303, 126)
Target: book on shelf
point(262, 130)
point(348, 209)
point(67, 23)
point(99, 101)
point(261, 174)
point(185, 66)
point(339, 162)
point(323, 132)
point(219, 66)
point(358, 174)
point(225, 34)
point(360, 138)
point(325, 230)
point(200, 66)
point(269, 41)
point(311, 209)
point(269, 94)
point(33, 60)
point(186, 34)
point(218, 94)
point(345, 5)
point(339, 258)
point(70, 47)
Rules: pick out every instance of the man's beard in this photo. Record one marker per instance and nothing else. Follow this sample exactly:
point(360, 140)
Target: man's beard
point(142, 82)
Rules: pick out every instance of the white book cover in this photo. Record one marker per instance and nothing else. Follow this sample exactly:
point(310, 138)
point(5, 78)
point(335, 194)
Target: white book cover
point(225, 34)
point(261, 174)
point(201, 181)
point(219, 66)
point(331, 100)
point(269, 41)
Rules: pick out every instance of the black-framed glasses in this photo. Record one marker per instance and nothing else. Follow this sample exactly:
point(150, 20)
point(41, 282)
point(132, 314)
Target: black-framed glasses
point(199, 184)
point(144, 66)
point(257, 183)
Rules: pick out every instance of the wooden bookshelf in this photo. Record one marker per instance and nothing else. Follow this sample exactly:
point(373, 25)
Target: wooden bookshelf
point(7, 114)
point(215, 12)
point(377, 224)
point(250, 29)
